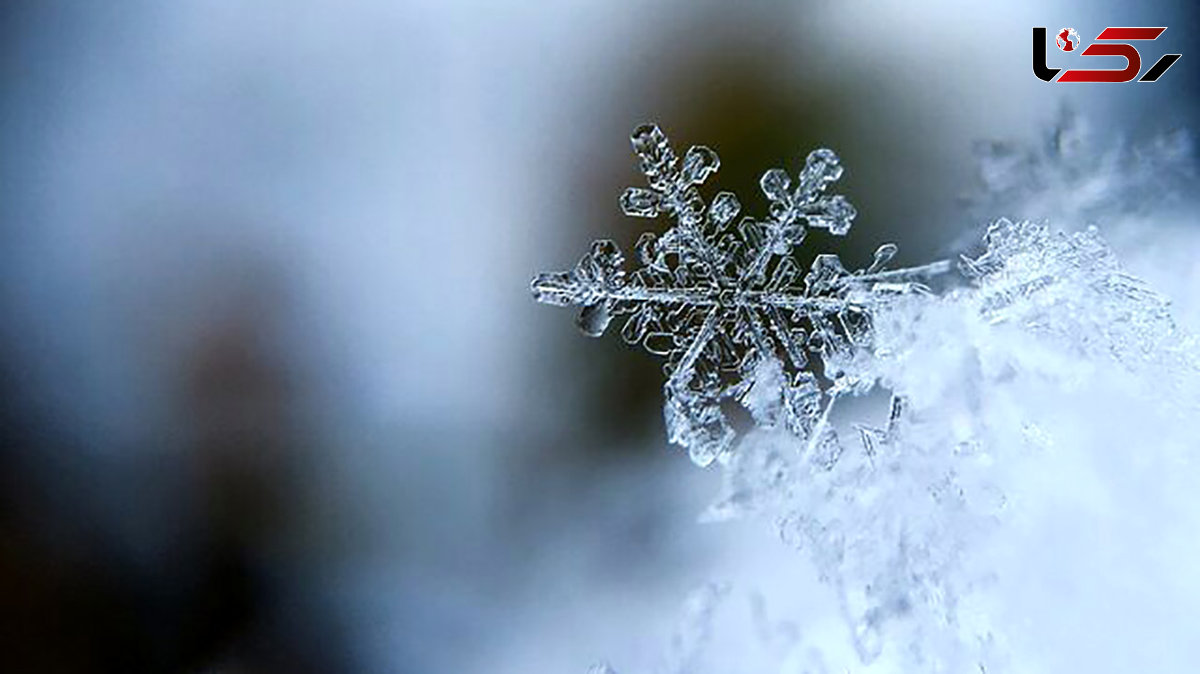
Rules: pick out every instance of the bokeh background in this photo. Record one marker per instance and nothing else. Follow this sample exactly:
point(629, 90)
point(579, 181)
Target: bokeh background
point(273, 393)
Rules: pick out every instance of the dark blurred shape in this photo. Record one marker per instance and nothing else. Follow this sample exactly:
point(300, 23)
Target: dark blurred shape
point(213, 590)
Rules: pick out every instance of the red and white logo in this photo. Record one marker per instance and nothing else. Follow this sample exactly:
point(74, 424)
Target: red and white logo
point(1112, 41)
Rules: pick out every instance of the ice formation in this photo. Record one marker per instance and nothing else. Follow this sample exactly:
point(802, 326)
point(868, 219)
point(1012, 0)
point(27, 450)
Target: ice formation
point(902, 531)
point(726, 303)
point(1047, 381)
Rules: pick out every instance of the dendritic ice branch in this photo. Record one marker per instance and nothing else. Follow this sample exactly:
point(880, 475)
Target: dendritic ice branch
point(726, 303)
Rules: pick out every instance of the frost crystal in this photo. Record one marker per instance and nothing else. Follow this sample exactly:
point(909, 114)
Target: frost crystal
point(728, 306)
point(1049, 396)
point(891, 529)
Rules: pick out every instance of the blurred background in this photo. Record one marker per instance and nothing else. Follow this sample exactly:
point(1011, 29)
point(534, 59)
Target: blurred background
point(274, 396)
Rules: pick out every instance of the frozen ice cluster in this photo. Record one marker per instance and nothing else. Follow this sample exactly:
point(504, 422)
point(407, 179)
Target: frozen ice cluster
point(725, 303)
point(1025, 503)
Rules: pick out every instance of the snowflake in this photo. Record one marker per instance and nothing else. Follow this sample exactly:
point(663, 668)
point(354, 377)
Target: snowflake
point(1046, 375)
point(728, 306)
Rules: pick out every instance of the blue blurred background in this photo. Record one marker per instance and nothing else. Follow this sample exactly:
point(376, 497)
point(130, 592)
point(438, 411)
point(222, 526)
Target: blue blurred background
point(275, 397)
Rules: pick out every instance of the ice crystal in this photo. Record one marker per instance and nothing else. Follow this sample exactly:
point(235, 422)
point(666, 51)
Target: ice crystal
point(1079, 173)
point(891, 528)
point(724, 301)
point(1035, 391)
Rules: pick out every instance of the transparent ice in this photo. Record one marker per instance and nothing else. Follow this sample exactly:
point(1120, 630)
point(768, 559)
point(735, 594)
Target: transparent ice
point(1026, 501)
point(724, 301)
